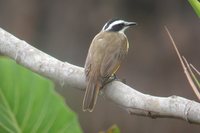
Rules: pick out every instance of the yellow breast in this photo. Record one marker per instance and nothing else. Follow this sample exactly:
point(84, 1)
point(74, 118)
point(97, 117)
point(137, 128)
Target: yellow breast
point(127, 46)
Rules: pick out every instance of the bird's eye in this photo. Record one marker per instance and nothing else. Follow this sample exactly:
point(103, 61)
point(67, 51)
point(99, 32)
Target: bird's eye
point(117, 27)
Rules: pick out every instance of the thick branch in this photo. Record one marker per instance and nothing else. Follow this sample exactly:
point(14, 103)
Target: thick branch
point(128, 98)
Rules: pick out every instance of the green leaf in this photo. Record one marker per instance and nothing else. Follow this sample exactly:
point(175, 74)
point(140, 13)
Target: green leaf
point(113, 129)
point(196, 6)
point(29, 103)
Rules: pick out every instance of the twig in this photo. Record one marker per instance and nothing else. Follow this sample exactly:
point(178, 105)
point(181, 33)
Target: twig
point(194, 77)
point(194, 68)
point(191, 82)
point(194, 87)
point(176, 49)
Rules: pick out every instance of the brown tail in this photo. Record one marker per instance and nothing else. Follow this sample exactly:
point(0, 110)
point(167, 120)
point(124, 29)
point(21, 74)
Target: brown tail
point(91, 95)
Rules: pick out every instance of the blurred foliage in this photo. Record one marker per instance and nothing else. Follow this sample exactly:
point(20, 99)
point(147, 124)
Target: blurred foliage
point(29, 103)
point(112, 129)
point(196, 6)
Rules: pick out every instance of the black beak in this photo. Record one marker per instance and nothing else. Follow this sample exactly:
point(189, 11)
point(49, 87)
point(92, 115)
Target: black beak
point(131, 23)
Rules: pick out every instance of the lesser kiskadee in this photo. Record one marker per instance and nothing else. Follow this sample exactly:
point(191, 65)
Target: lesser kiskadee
point(107, 50)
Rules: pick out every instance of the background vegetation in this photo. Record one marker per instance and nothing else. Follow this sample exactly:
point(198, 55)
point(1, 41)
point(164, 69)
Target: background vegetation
point(29, 103)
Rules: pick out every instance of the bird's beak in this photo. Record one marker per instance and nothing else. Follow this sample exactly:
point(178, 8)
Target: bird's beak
point(131, 23)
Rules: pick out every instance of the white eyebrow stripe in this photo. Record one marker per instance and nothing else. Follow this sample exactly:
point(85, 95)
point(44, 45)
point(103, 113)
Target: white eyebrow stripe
point(112, 24)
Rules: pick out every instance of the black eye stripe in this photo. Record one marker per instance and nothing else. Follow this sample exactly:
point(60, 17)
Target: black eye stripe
point(117, 27)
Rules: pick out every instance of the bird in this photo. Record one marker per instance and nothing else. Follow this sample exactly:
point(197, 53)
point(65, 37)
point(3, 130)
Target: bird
point(106, 52)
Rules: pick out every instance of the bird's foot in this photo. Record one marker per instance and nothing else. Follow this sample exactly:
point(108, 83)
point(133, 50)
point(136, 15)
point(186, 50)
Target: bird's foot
point(110, 79)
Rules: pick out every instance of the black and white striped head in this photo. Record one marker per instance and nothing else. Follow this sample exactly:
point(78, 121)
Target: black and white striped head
point(117, 25)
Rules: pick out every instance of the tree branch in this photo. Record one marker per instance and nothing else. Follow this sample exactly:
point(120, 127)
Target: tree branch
point(128, 98)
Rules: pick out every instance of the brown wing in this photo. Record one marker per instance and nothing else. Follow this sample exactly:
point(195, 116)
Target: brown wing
point(95, 55)
point(114, 55)
point(93, 83)
point(92, 72)
point(87, 66)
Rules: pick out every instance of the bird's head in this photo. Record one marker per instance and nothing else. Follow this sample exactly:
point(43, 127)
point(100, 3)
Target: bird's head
point(117, 25)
